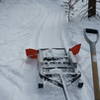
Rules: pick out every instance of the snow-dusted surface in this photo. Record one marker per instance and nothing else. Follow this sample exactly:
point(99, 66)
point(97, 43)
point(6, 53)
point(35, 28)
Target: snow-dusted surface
point(39, 24)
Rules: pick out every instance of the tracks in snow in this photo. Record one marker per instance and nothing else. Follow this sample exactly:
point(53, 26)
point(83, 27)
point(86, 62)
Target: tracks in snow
point(51, 30)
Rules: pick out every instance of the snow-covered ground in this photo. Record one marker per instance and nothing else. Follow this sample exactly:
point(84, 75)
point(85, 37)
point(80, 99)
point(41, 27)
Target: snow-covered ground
point(39, 24)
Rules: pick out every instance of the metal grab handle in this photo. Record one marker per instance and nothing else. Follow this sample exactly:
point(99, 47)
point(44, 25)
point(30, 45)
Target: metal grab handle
point(91, 31)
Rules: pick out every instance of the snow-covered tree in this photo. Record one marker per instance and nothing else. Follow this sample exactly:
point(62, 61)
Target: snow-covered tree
point(91, 8)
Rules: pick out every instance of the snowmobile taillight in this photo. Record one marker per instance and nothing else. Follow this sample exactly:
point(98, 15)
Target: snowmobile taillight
point(32, 53)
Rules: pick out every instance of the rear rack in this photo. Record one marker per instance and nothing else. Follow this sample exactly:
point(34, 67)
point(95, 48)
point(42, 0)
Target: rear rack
point(56, 67)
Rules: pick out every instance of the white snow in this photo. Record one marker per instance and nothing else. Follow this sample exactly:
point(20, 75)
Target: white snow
point(40, 24)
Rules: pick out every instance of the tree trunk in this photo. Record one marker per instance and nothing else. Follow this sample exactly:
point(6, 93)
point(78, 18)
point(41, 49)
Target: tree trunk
point(91, 8)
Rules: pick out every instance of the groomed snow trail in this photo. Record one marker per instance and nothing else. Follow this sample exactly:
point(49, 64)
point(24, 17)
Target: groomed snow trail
point(27, 24)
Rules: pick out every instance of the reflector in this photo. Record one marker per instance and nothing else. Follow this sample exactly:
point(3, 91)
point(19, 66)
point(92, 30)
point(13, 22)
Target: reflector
point(32, 53)
point(75, 50)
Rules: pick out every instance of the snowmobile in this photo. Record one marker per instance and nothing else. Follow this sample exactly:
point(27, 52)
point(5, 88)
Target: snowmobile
point(57, 66)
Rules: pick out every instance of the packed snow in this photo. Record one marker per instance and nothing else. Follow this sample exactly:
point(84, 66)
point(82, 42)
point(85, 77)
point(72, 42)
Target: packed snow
point(40, 24)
